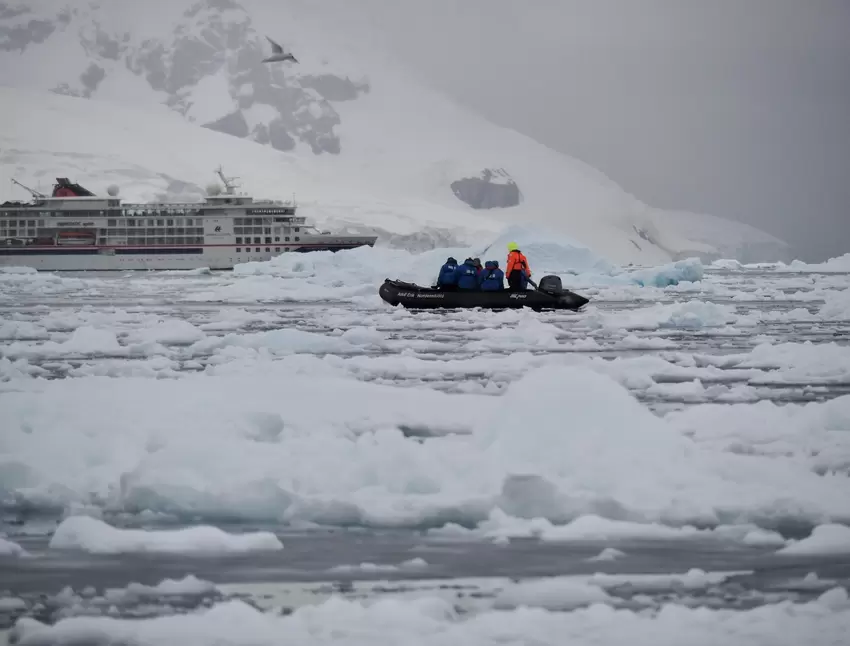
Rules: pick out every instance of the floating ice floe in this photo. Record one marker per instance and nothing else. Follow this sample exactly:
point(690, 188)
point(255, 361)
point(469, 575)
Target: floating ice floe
point(839, 264)
point(824, 539)
point(10, 548)
point(532, 610)
point(93, 535)
point(267, 446)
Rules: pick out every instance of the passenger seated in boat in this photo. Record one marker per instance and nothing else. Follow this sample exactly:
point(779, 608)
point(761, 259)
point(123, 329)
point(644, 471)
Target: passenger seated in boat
point(491, 278)
point(467, 275)
point(447, 278)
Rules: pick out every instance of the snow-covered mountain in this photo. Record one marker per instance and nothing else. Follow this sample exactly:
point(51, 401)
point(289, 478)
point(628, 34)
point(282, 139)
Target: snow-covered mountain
point(159, 93)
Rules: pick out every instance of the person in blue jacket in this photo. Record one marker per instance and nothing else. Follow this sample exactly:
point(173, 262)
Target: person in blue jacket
point(467, 275)
point(447, 278)
point(491, 278)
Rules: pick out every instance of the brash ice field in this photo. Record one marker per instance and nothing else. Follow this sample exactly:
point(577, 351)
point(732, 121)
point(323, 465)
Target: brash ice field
point(205, 450)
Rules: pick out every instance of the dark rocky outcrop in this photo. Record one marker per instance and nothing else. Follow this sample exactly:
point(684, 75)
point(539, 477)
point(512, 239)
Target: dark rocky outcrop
point(228, 45)
point(18, 31)
point(230, 124)
point(91, 78)
point(493, 189)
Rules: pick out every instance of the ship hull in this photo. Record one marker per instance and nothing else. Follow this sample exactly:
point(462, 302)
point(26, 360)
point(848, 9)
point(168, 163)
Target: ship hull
point(218, 257)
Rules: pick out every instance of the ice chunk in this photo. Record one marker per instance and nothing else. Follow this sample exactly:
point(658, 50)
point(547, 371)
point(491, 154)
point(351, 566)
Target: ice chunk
point(21, 330)
point(836, 306)
point(10, 548)
point(95, 536)
point(831, 538)
point(687, 270)
point(555, 593)
point(434, 621)
point(10, 604)
point(726, 263)
point(608, 554)
point(839, 264)
point(189, 585)
point(171, 331)
point(547, 251)
point(835, 599)
point(691, 314)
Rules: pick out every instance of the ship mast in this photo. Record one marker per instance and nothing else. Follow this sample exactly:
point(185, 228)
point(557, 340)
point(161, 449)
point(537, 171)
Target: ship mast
point(229, 186)
point(31, 191)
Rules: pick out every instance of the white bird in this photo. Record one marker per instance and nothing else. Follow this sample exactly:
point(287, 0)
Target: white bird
point(278, 54)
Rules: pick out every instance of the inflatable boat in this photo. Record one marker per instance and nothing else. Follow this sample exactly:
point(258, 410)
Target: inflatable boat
point(549, 295)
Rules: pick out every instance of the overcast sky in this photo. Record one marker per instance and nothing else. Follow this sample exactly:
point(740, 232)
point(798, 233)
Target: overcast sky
point(740, 108)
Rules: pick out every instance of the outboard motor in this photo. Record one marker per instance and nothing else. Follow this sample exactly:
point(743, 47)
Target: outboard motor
point(551, 285)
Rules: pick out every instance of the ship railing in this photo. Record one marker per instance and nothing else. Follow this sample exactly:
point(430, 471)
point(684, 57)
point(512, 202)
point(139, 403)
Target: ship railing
point(162, 206)
point(170, 206)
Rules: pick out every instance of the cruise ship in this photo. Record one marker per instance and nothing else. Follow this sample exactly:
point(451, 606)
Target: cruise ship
point(75, 230)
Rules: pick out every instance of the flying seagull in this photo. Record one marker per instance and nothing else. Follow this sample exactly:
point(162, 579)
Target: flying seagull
point(278, 54)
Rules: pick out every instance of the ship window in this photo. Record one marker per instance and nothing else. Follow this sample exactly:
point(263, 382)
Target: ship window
point(258, 221)
point(256, 240)
point(286, 248)
point(277, 238)
point(188, 222)
point(297, 238)
point(111, 223)
point(277, 249)
point(267, 230)
point(297, 229)
point(238, 240)
point(286, 239)
point(257, 250)
point(160, 223)
point(170, 223)
point(268, 239)
point(267, 250)
point(238, 250)
point(131, 223)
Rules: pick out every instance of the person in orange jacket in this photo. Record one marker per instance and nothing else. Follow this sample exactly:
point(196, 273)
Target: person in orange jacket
point(517, 269)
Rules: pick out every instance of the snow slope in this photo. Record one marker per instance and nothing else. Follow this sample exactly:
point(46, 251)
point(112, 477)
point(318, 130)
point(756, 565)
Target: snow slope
point(363, 146)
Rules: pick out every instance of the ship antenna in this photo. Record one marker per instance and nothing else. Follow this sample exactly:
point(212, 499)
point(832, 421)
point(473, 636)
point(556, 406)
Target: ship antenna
point(31, 191)
point(227, 181)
